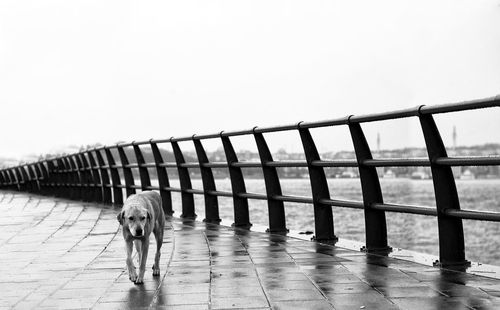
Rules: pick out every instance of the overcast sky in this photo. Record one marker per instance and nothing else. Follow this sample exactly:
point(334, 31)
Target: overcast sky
point(81, 72)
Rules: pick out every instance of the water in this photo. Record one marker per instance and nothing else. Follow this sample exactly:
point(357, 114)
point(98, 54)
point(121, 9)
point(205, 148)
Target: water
point(407, 231)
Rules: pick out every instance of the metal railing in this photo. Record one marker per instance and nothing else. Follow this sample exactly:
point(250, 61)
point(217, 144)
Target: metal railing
point(94, 175)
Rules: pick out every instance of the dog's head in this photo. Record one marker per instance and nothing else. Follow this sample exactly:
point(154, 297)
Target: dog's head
point(134, 217)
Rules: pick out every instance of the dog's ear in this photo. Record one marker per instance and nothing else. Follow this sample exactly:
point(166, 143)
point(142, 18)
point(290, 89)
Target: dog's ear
point(120, 217)
point(150, 217)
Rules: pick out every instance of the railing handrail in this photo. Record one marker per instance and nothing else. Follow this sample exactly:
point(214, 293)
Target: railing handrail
point(86, 175)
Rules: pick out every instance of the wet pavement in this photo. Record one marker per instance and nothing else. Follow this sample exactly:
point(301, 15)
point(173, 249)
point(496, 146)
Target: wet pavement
point(60, 254)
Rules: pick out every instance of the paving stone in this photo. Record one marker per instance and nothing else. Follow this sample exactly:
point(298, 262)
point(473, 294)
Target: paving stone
point(239, 303)
point(302, 304)
point(182, 299)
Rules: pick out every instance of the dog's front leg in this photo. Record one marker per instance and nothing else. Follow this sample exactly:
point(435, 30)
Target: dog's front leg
point(132, 274)
point(142, 262)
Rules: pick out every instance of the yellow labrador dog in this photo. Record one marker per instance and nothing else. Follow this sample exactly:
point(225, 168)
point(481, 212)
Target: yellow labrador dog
point(142, 214)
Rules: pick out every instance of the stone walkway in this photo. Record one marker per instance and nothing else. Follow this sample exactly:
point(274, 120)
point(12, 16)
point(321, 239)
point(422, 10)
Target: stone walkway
point(60, 254)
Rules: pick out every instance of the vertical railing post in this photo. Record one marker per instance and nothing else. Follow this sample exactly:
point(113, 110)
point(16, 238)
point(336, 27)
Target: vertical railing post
point(63, 187)
point(115, 177)
point(73, 178)
point(32, 179)
point(26, 178)
point(85, 177)
point(21, 184)
point(106, 190)
point(207, 177)
point(94, 171)
point(276, 208)
point(13, 178)
point(7, 182)
point(91, 182)
point(375, 222)
point(241, 214)
point(82, 186)
point(77, 190)
point(163, 182)
point(323, 216)
point(42, 177)
point(143, 171)
point(37, 175)
point(127, 171)
point(2, 179)
point(185, 182)
point(61, 178)
point(51, 177)
point(10, 180)
point(451, 233)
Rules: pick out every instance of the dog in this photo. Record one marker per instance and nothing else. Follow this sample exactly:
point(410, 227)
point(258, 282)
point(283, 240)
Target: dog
point(142, 214)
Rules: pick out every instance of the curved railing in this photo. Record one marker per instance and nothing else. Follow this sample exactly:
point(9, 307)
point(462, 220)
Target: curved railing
point(94, 175)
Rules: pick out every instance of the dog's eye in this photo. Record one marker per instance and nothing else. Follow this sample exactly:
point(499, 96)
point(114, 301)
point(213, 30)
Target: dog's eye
point(131, 218)
point(143, 218)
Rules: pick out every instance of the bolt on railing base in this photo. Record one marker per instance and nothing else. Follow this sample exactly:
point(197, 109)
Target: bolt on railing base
point(373, 250)
point(460, 266)
point(212, 221)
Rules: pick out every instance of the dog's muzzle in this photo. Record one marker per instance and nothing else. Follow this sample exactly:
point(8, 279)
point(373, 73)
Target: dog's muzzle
point(138, 233)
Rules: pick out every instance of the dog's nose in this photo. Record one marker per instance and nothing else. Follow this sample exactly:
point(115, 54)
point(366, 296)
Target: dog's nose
point(138, 232)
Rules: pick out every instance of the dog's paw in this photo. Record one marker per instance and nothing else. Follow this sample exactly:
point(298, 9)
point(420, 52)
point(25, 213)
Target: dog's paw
point(156, 271)
point(132, 275)
point(139, 280)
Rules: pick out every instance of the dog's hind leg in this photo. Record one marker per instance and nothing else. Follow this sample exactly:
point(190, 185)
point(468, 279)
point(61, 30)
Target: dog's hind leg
point(159, 241)
point(132, 274)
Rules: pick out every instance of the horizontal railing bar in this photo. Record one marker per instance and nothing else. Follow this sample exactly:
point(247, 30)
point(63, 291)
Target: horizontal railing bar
point(397, 162)
point(125, 144)
point(468, 161)
point(181, 139)
point(276, 128)
point(399, 208)
point(474, 215)
point(194, 191)
point(147, 165)
point(325, 123)
point(168, 165)
point(189, 165)
point(141, 142)
point(286, 163)
point(158, 141)
point(343, 203)
point(236, 133)
point(298, 199)
point(171, 189)
point(385, 116)
point(246, 164)
point(133, 165)
point(207, 136)
point(462, 106)
point(215, 165)
point(220, 193)
point(334, 163)
point(252, 196)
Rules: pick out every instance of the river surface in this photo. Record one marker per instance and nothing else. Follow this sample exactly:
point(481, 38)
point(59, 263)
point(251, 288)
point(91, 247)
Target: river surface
point(411, 232)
